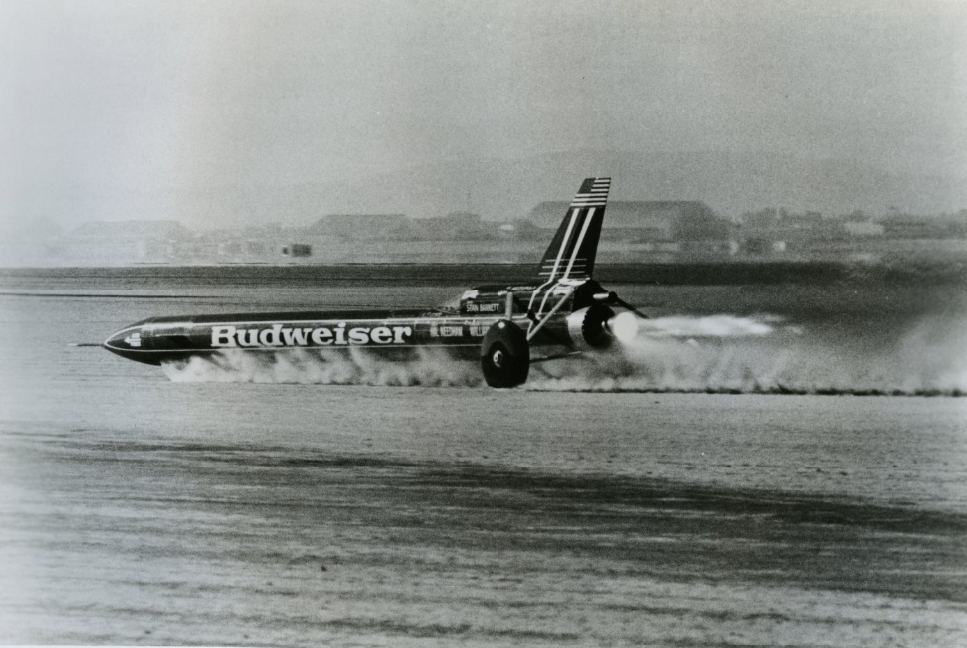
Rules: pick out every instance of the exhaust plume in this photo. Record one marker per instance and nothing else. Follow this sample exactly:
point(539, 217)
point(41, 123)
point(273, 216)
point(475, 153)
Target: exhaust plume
point(728, 354)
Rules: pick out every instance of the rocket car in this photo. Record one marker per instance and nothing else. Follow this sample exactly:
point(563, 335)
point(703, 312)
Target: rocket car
point(560, 312)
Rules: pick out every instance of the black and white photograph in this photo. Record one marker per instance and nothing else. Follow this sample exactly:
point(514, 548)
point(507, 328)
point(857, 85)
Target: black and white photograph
point(416, 323)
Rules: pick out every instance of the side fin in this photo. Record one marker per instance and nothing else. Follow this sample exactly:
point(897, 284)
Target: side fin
point(575, 245)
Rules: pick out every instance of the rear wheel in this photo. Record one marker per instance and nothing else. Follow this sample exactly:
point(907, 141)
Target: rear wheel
point(504, 355)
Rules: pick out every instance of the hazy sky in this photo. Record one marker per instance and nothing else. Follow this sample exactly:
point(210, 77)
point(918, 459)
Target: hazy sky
point(148, 100)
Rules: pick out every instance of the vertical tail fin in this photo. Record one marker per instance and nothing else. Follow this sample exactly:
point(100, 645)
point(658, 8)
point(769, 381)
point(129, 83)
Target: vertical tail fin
point(574, 247)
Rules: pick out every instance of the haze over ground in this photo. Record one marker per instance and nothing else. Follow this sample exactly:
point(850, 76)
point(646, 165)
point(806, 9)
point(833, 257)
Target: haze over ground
point(223, 113)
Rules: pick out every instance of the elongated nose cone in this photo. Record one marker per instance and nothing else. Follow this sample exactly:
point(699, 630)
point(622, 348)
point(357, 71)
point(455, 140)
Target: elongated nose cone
point(130, 343)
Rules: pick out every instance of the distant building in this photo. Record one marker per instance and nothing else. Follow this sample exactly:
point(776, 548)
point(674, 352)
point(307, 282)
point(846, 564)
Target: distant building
point(458, 226)
point(363, 227)
point(522, 230)
point(708, 247)
point(774, 231)
point(769, 241)
point(902, 226)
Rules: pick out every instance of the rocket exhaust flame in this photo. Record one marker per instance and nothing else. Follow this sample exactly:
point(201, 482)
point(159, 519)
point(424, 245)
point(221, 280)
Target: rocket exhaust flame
point(624, 326)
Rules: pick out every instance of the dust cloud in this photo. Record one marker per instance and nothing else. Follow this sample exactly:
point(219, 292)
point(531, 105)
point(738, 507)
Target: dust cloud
point(428, 367)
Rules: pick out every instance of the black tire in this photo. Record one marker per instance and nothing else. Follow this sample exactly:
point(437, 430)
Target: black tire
point(504, 355)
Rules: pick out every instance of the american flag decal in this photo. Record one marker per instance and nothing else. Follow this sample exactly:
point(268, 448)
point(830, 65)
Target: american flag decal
point(594, 196)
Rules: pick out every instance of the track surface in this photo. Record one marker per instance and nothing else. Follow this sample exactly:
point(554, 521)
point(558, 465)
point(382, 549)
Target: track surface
point(136, 510)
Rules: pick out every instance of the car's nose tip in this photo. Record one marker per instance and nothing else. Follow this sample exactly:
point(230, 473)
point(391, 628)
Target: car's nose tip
point(127, 339)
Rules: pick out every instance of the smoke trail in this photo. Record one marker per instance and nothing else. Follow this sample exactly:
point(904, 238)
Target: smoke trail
point(719, 353)
point(761, 355)
point(717, 326)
